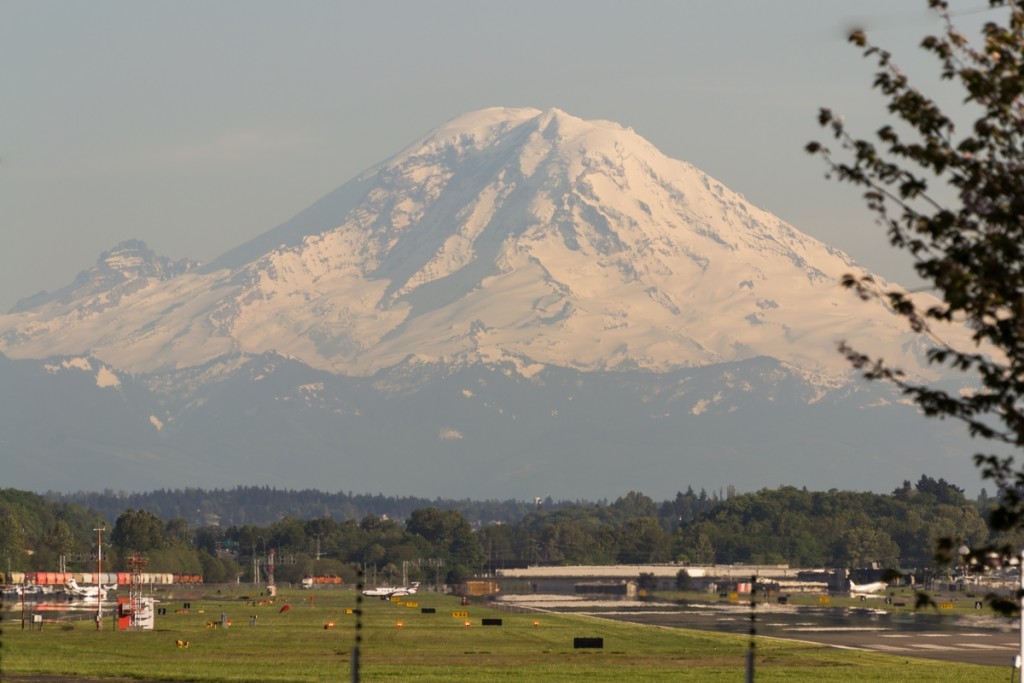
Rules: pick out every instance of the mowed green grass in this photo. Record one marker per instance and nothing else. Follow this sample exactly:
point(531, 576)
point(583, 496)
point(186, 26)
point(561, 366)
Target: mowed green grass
point(294, 645)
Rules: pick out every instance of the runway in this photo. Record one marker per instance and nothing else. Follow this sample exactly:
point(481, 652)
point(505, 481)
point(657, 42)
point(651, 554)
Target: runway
point(982, 639)
point(990, 642)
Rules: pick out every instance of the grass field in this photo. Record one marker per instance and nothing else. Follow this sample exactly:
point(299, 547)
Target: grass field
point(402, 643)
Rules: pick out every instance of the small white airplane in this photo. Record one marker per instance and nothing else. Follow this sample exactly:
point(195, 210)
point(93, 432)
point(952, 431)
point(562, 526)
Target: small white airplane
point(866, 589)
point(386, 592)
point(87, 592)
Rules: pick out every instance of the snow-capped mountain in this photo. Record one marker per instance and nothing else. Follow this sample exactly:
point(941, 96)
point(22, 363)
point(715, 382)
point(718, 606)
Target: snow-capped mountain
point(524, 242)
point(505, 235)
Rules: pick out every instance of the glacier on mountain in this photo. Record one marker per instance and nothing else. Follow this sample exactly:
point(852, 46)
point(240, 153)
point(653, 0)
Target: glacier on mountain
point(536, 303)
point(506, 235)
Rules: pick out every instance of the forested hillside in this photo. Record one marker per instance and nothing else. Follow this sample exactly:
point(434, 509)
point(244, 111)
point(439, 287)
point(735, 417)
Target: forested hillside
point(263, 505)
point(314, 533)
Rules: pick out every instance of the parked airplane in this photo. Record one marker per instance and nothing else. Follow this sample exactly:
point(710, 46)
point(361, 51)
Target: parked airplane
point(87, 592)
point(386, 592)
point(867, 589)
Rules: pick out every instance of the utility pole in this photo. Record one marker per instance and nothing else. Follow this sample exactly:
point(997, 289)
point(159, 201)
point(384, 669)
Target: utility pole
point(436, 563)
point(99, 578)
point(270, 568)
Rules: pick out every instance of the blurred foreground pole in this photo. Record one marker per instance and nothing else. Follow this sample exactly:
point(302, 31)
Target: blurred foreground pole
point(753, 629)
point(99, 578)
point(359, 628)
point(1020, 603)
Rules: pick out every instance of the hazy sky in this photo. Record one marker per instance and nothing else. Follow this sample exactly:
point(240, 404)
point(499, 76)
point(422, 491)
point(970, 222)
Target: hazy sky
point(195, 126)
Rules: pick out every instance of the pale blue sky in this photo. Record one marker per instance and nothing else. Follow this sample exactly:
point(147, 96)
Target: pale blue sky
point(195, 125)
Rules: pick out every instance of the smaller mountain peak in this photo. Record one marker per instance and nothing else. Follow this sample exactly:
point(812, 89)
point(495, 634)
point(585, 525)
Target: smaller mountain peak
point(129, 262)
point(130, 254)
point(132, 258)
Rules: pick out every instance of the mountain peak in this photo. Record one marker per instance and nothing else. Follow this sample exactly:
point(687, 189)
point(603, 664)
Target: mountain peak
point(520, 294)
point(507, 235)
point(126, 267)
point(132, 259)
point(481, 130)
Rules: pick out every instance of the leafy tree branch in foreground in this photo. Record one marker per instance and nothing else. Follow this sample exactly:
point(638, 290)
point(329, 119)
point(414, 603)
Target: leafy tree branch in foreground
point(954, 200)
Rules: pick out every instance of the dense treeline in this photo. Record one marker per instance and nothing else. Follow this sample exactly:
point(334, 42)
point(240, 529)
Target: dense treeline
point(437, 543)
point(35, 532)
point(264, 505)
point(837, 528)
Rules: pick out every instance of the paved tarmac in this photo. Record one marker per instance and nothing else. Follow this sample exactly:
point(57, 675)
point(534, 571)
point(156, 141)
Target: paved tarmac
point(977, 647)
point(988, 642)
point(981, 639)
